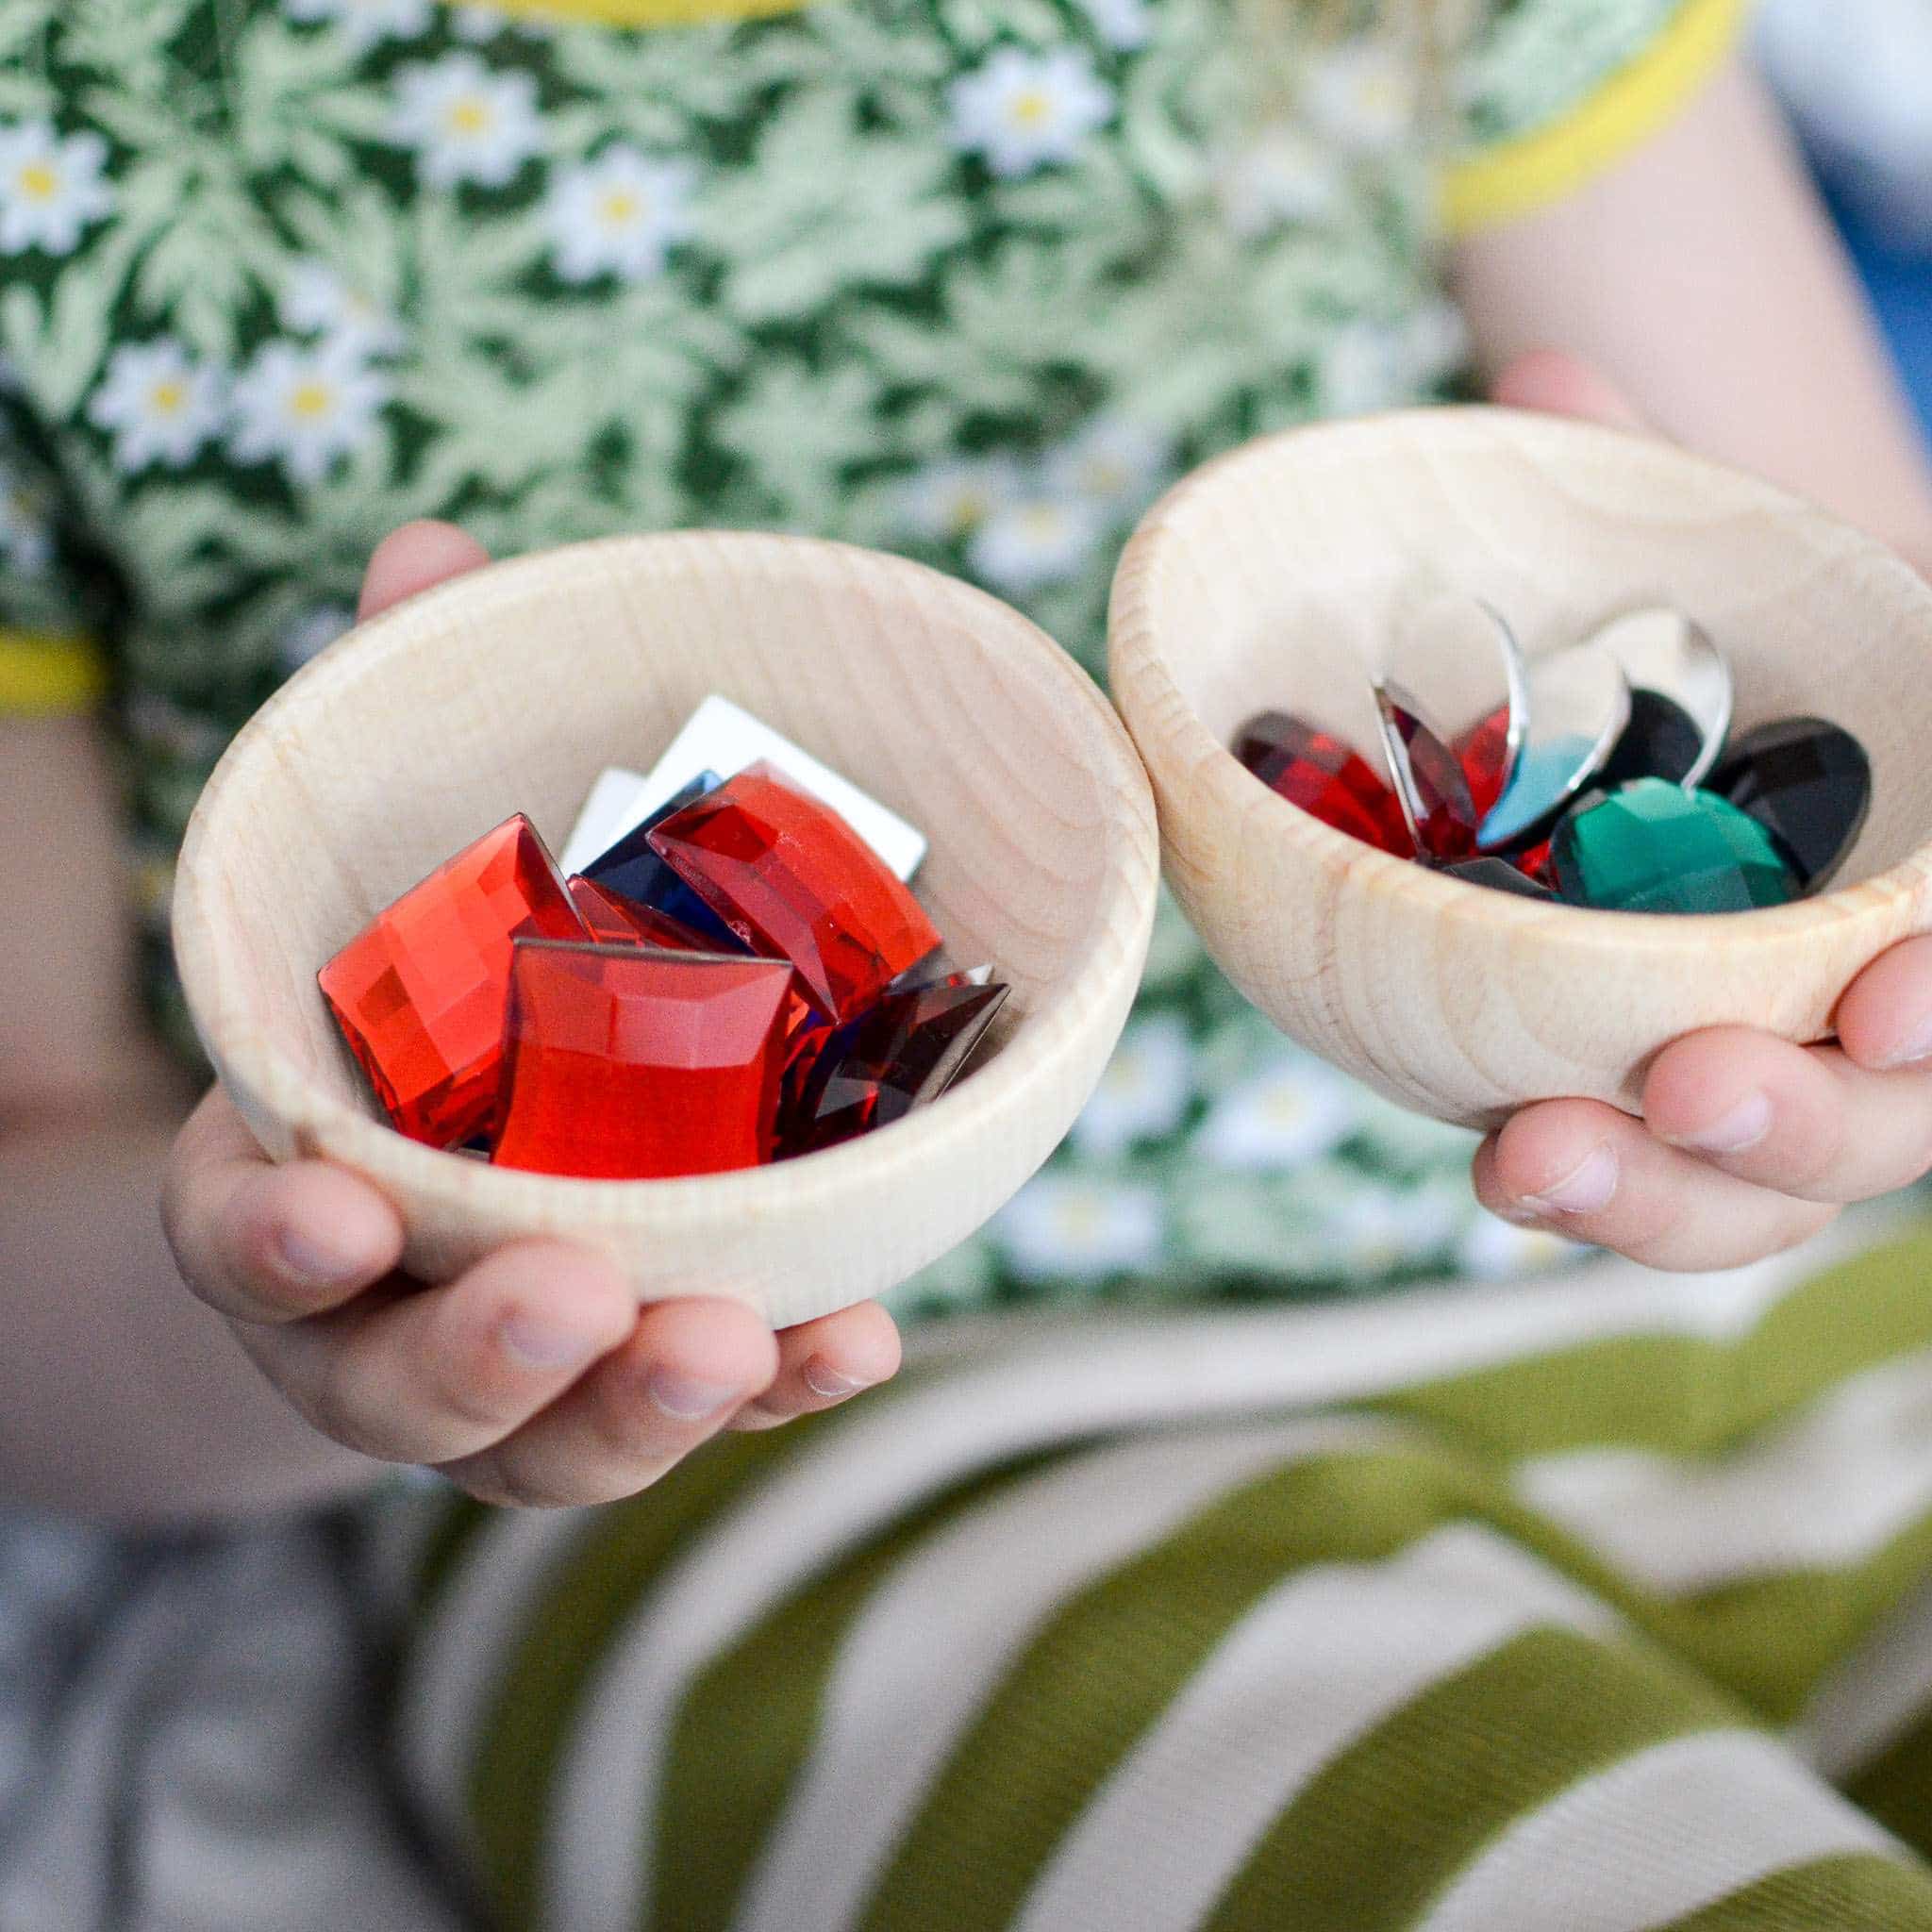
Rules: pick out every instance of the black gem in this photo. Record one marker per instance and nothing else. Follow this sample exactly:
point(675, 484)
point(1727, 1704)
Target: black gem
point(1661, 741)
point(1808, 783)
point(1501, 877)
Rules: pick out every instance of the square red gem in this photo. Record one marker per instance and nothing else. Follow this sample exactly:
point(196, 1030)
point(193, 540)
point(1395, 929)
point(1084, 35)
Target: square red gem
point(629, 1063)
point(419, 993)
point(793, 881)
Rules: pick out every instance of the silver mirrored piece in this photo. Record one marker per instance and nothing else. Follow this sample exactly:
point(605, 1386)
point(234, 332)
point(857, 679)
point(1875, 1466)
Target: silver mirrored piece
point(1683, 694)
point(1579, 707)
point(1451, 677)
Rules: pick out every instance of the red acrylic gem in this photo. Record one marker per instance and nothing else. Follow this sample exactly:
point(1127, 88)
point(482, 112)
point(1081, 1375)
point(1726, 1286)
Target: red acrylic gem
point(419, 993)
point(1485, 754)
point(793, 881)
point(626, 1063)
point(613, 919)
point(1325, 777)
point(897, 1055)
point(1535, 864)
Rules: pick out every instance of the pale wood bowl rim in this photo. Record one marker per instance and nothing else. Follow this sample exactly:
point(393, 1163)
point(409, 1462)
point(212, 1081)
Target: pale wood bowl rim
point(919, 1145)
point(1138, 655)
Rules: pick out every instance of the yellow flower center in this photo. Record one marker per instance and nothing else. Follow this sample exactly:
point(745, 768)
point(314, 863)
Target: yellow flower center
point(470, 116)
point(970, 507)
point(1031, 108)
point(620, 208)
point(1081, 1218)
point(1104, 476)
point(1283, 1107)
point(309, 400)
point(38, 181)
point(166, 398)
point(1041, 522)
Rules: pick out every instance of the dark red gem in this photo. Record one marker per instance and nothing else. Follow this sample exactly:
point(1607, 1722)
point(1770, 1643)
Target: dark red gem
point(794, 881)
point(899, 1054)
point(1485, 754)
point(1448, 817)
point(1325, 777)
point(633, 869)
point(626, 1063)
point(419, 993)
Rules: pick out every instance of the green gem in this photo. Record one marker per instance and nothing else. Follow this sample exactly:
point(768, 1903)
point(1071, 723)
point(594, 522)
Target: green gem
point(1651, 847)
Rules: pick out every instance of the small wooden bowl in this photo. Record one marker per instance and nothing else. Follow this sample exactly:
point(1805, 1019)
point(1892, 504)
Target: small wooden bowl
point(1271, 579)
point(509, 691)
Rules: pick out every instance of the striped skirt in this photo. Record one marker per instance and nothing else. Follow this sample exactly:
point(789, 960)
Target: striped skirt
point(1586, 1605)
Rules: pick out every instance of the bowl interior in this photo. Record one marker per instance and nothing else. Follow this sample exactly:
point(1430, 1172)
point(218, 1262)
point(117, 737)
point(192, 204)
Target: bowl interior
point(511, 689)
point(1276, 575)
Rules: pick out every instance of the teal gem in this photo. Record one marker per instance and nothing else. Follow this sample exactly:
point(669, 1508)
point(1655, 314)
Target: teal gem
point(1652, 846)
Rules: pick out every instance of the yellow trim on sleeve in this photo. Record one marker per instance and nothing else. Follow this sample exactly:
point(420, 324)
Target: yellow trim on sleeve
point(650, 13)
point(1536, 168)
point(43, 674)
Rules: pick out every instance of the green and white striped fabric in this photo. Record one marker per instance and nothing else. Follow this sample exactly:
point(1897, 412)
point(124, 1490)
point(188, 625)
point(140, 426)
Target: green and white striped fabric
point(1557, 1608)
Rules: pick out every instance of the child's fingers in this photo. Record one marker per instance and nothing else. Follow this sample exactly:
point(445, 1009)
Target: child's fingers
point(1560, 384)
point(1806, 1122)
point(266, 1244)
point(1885, 1018)
point(687, 1367)
point(425, 1374)
point(416, 557)
point(1595, 1175)
point(824, 1363)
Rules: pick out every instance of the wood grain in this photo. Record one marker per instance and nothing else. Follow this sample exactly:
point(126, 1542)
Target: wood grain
point(1273, 578)
point(510, 690)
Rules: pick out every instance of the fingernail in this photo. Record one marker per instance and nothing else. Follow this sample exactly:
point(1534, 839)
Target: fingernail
point(1914, 1047)
point(822, 1379)
point(531, 1342)
point(1745, 1125)
point(687, 1401)
point(312, 1261)
point(1585, 1188)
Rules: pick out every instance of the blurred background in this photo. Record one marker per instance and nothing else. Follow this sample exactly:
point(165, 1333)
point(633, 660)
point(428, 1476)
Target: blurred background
point(1856, 76)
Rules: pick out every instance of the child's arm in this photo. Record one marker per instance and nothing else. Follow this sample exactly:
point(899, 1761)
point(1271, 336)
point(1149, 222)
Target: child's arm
point(533, 1379)
point(1702, 279)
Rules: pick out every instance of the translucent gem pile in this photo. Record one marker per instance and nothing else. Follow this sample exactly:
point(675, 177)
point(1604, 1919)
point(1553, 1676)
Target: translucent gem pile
point(740, 977)
point(1608, 779)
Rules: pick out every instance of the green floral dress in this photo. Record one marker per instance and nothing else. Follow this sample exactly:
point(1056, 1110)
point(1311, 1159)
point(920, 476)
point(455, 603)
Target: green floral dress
point(967, 279)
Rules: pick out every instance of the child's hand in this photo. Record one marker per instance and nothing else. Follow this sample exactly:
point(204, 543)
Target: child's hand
point(533, 1379)
point(1747, 1144)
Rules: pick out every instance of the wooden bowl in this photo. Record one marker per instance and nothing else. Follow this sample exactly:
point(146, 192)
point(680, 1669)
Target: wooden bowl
point(509, 691)
point(1271, 579)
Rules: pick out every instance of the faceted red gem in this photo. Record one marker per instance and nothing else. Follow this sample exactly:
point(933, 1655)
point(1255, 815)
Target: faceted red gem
point(419, 993)
point(1325, 777)
point(1485, 754)
point(626, 1063)
point(616, 920)
point(897, 1055)
point(613, 919)
point(793, 881)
